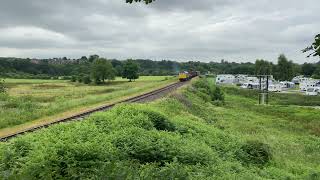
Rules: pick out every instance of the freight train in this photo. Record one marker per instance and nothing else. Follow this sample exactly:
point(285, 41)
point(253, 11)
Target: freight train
point(187, 75)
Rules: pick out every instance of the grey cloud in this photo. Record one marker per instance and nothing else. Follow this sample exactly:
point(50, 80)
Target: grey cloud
point(167, 29)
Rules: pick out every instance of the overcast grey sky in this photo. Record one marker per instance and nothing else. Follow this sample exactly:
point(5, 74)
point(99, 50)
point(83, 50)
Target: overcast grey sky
point(205, 30)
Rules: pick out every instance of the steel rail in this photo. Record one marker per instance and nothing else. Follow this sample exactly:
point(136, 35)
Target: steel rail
point(82, 115)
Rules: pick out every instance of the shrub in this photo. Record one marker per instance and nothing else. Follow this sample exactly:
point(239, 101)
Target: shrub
point(218, 95)
point(73, 78)
point(162, 147)
point(86, 80)
point(254, 152)
point(3, 88)
point(160, 121)
point(208, 92)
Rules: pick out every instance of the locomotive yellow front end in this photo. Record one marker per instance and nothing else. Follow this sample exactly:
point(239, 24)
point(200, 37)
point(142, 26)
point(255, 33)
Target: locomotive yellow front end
point(183, 76)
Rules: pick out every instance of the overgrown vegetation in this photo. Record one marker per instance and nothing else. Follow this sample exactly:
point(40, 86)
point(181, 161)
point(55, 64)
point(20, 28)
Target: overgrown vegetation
point(181, 137)
point(208, 91)
point(3, 88)
point(28, 100)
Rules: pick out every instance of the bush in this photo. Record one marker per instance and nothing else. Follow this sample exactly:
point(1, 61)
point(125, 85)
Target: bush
point(73, 78)
point(208, 92)
point(3, 88)
point(162, 147)
point(86, 80)
point(218, 95)
point(160, 121)
point(255, 153)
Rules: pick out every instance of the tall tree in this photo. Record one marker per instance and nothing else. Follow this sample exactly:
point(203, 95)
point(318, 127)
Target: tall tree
point(308, 69)
point(315, 47)
point(92, 58)
point(130, 70)
point(84, 58)
point(101, 69)
point(284, 69)
point(263, 67)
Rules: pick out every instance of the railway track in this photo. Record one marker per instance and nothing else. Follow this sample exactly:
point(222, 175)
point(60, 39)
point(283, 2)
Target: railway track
point(141, 98)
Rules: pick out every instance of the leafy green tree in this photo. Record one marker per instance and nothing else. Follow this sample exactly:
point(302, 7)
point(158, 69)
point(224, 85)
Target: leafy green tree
point(218, 94)
point(284, 69)
point(315, 47)
point(86, 79)
point(101, 70)
point(308, 69)
point(119, 70)
point(73, 78)
point(92, 58)
point(84, 58)
point(316, 73)
point(263, 67)
point(130, 70)
point(3, 88)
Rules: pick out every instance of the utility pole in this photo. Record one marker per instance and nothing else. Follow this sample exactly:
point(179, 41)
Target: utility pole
point(264, 89)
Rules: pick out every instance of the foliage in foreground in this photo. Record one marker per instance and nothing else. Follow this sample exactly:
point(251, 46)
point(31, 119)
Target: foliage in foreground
point(181, 137)
point(3, 88)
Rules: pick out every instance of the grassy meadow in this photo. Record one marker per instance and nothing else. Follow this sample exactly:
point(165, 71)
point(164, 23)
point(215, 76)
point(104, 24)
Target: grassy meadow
point(183, 136)
point(31, 99)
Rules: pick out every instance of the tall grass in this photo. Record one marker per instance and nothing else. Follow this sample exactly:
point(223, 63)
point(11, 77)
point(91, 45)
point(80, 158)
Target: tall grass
point(28, 100)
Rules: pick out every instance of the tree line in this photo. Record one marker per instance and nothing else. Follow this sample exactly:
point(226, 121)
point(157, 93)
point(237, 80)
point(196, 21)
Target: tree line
point(102, 69)
point(97, 69)
point(286, 69)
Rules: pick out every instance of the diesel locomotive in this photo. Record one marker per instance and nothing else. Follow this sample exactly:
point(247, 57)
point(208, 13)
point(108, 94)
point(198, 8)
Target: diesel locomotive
point(187, 75)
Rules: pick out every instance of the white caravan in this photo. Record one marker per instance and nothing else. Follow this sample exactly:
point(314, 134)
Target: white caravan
point(299, 79)
point(275, 88)
point(241, 78)
point(313, 91)
point(250, 86)
point(310, 83)
point(287, 85)
point(225, 79)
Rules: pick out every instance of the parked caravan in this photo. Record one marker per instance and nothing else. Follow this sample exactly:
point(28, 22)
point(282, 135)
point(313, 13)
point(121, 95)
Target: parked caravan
point(241, 78)
point(298, 79)
point(225, 79)
point(310, 83)
point(287, 85)
point(313, 91)
point(275, 88)
point(250, 86)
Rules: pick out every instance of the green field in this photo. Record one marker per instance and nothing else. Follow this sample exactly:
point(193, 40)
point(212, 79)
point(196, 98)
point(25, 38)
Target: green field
point(184, 136)
point(28, 99)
